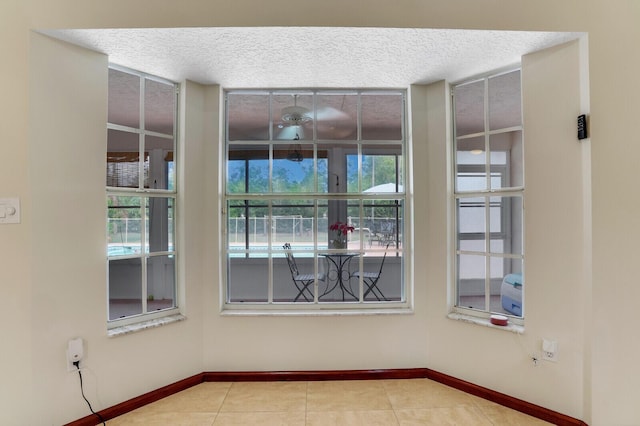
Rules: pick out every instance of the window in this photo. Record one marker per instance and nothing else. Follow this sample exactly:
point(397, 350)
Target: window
point(488, 195)
point(298, 165)
point(141, 196)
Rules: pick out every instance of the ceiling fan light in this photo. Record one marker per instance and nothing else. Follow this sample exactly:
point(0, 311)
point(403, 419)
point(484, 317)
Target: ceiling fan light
point(295, 114)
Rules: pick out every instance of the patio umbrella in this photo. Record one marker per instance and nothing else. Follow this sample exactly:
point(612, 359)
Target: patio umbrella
point(385, 187)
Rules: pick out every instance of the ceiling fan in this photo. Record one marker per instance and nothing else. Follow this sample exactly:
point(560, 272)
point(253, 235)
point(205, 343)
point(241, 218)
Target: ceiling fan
point(293, 120)
point(296, 115)
point(296, 120)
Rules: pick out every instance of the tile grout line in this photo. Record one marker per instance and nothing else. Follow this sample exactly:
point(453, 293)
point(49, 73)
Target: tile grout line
point(226, 394)
point(306, 404)
point(393, 409)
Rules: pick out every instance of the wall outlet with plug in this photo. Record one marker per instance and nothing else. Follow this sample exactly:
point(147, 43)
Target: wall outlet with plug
point(75, 353)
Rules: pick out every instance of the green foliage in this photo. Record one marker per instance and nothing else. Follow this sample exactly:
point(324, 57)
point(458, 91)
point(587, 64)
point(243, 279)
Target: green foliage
point(123, 206)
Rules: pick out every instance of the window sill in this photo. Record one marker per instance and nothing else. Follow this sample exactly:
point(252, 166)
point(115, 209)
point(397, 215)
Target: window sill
point(514, 328)
point(144, 325)
point(315, 312)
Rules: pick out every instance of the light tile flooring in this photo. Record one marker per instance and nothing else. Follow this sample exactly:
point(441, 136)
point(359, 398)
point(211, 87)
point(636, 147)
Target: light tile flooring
point(324, 403)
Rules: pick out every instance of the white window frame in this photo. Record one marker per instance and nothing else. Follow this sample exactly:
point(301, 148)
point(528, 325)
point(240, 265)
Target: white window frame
point(146, 194)
point(511, 191)
point(356, 307)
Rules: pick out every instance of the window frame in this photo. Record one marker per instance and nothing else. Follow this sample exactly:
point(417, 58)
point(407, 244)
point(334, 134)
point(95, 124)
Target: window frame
point(268, 198)
point(145, 195)
point(487, 169)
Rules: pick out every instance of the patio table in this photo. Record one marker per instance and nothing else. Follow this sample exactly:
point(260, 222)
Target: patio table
point(336, 273)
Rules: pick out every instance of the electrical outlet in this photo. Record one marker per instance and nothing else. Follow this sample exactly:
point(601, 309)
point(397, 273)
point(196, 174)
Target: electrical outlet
point(549, 350)
point(75, 353)
point(70, 367)
point(9, 210)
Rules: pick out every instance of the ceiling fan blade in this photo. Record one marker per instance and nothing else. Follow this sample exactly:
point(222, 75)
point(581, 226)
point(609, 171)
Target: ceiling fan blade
point(330, 113)
point(333, 123)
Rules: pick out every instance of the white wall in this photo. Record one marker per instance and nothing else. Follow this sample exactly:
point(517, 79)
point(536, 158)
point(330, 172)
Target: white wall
point(66, 211)
point(45, 305)
point(614, 345)
point(67, 144)
point(553, 246)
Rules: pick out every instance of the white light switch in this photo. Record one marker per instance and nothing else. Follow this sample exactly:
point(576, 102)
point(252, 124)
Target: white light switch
point(9, 210)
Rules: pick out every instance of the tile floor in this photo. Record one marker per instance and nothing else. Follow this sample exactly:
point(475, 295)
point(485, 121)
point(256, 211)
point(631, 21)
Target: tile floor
point(324, 403)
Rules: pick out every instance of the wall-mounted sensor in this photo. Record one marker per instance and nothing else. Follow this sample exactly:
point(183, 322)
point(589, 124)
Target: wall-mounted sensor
point(582, 127)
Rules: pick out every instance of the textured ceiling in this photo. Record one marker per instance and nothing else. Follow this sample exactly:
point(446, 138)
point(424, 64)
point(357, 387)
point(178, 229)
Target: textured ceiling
point(310, 57)
point(297, 57)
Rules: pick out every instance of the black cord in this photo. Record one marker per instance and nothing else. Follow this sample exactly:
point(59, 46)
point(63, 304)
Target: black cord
point(77, 364)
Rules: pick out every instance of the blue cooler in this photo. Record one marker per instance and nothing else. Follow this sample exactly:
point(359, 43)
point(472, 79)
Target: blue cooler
point(511, 293)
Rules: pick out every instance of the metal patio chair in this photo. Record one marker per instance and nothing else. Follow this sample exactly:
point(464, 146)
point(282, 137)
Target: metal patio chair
point(301, 281)
point(370, 279)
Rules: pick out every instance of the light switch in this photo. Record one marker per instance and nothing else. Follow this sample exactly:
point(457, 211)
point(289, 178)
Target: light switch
point(9, 210)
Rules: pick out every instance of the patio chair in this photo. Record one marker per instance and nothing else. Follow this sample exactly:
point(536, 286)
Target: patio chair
point(301, 281)
point(370, 279)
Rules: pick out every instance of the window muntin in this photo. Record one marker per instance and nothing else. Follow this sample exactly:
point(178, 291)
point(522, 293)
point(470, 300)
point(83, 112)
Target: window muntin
point(141, 196)
point(291, 187)
point(488, 194)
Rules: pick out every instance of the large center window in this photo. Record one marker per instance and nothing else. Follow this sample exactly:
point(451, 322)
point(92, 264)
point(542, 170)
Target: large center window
point(315, 198)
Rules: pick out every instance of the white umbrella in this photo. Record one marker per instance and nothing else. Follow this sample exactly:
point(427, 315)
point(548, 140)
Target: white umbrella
point(385, 187)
